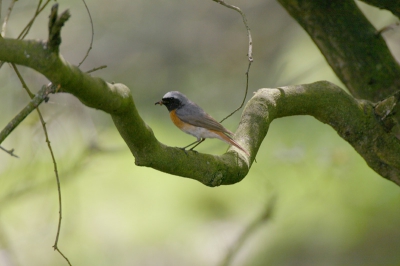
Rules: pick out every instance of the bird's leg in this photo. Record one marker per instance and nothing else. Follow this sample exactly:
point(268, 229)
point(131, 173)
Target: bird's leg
point(184, 148)
point(198, 143)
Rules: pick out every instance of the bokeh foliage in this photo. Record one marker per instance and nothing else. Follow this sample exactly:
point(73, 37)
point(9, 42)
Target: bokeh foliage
point(331, 208)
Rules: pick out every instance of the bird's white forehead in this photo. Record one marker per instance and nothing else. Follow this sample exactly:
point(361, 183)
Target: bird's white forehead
point(169, 94)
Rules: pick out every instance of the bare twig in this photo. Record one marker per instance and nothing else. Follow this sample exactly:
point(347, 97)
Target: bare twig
point(59, 251)
point(91, 40)
point(39, 9)
point(31, 95)
point(245, 93)
point(11, 152)
point(35, 102)
point(249, 53)
point(96, 68)
point(55, 25)
point(55, 246)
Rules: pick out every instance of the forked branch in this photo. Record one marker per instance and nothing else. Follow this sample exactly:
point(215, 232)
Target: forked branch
point(55, 24)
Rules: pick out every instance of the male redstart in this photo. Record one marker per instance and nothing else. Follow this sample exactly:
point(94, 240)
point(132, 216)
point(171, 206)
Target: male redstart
point(191, 119)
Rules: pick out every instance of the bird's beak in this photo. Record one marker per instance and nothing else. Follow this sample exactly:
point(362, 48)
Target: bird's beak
point(159, 102)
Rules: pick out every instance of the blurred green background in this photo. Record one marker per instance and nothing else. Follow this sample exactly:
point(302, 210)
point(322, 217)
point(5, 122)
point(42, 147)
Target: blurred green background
point(331, 209)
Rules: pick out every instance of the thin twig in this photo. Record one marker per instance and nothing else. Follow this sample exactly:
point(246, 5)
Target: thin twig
point(31, 95)
point(59, 251)
point(55, 246)
point(4, 26)
point(96, 68)
point(35, 102)
point(91, 40)
point(39, 9)
point(11, 152)
point(249, 53)
point(245, 93)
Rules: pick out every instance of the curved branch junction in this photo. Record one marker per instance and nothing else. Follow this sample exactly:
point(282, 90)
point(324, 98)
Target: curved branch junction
point(354, 120)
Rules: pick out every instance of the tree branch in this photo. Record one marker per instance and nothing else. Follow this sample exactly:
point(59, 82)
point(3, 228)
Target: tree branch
point(249, 53)
point(32, 105)
point(355, 121)
point(11, 152)
point(116, 100)
point(94, 92)
point(359, 56)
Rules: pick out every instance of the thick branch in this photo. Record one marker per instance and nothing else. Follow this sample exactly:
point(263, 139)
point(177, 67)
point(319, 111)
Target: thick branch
point(359, 56)
point(94, 92)
point(116, 100)
point(353, 120)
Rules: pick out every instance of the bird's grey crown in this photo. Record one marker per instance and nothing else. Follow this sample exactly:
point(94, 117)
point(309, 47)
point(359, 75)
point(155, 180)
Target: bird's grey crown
point(176, 95)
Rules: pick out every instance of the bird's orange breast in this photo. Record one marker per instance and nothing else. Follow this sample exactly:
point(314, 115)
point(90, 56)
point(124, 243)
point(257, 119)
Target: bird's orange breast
point(175, 119)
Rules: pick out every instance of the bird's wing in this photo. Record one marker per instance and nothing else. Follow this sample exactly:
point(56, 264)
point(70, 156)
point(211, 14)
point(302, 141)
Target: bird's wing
point(197, 117)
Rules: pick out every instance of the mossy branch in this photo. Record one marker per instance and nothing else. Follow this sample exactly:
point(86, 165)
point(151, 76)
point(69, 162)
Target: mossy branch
point(358, 56)
point(355, 121)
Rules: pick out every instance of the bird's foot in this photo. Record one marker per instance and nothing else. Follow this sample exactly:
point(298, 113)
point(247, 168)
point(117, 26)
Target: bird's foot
point(183, 149)
point(186, 151)
point(194, 151)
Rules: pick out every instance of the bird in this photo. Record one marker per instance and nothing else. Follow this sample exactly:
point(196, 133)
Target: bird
point(193, 120)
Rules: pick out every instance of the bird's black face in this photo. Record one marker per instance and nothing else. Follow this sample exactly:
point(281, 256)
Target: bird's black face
point(171, 103)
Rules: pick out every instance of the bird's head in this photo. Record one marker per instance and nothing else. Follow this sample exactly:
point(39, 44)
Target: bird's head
point(173, 100)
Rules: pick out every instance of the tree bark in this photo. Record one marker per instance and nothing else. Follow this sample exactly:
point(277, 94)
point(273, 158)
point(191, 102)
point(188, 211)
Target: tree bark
point(359, 122)
point(356, 53)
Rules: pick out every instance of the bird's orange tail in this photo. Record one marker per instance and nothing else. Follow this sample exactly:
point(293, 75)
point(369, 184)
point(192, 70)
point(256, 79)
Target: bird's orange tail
point(229, 140)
